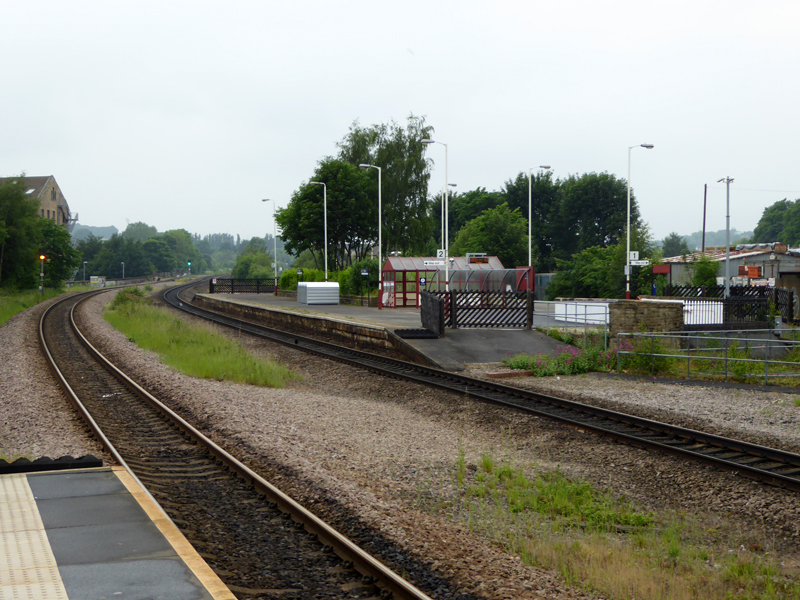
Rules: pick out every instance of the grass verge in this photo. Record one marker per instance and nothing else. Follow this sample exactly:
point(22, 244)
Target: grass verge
point(601, 543)
point(193, 350)
point(12, 303)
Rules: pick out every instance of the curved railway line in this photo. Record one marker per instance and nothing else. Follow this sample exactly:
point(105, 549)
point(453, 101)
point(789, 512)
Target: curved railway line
point(259, 541)
point(760, 463)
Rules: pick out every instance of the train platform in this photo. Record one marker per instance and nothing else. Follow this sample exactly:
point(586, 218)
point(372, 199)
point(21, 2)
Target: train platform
point(452, 352)
point(94, 534)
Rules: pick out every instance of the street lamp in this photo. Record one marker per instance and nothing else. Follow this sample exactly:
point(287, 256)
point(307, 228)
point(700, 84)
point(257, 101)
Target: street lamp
point(325, 220)
point(275, 245)
point(628, 247)
point(446, 217)
point(530, 213)
point(728, 182)
point(123, 270)
point(380, 266)
point(84, 270)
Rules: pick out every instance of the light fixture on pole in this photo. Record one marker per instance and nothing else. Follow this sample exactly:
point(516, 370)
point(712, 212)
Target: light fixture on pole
point(123, 270)
point(530, 214)
point(628, 246)
point(446, 217)
point(728, 182)
point(84, 270)
point(42, 258)
point(325, 220)
point(380, 265)
point(274, 243)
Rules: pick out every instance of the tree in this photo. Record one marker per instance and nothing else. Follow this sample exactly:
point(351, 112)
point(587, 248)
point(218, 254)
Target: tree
point(779, 223)
point(253, 262)
point(21, 236)
point(159, 253)
point(180, 241)
point(139, 232)
point(674, 245)
point(62, 258)
point(89, 247)
point(118, 250)
point(406, 222)
point(703, 270)
point(497, 231)
point(352, 215)
point(545, 197)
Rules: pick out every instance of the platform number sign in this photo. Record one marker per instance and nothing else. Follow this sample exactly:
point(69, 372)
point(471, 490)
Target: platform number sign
point(440, 253)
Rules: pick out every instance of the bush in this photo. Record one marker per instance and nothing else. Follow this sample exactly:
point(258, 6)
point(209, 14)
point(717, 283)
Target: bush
point(568, 361)
point(288, 280)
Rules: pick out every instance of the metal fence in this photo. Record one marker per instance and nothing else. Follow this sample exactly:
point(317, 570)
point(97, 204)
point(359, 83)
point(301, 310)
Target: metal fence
point(224, 285)
point(755, 305)
point(752, 355)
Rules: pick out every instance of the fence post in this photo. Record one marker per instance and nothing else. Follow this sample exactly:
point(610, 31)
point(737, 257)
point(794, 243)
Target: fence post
point(453, 310)
point(529, 313)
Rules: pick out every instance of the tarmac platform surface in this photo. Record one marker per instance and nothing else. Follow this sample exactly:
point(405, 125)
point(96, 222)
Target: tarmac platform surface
point(452, 352)
point(94, 534)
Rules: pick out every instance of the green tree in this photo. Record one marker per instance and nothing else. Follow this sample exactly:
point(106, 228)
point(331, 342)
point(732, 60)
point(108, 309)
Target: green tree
point(352, 215)
point(139, 232)
point(498, 232)
point(21, 236)
point(545, 198)
point(253, 262)
point(117, 250)
point(182, 246)
point(703, 270)
point(406, 222)
point(62, 258)
point(159, 253)
point(674, 245)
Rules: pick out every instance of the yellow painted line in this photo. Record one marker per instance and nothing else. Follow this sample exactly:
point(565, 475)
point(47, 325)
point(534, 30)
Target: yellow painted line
point(28, 568)
point(180, 544)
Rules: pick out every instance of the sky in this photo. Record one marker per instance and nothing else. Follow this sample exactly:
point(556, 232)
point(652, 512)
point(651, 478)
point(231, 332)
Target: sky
point(188, 114)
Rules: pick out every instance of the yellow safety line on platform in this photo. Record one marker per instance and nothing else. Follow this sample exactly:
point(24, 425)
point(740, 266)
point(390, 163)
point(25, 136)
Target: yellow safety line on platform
point(28, 568)
point(179, 543)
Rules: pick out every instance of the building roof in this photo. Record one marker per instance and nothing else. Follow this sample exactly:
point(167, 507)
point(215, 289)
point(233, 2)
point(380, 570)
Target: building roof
point(742, 251)
point(35, 185)
point(417, 263)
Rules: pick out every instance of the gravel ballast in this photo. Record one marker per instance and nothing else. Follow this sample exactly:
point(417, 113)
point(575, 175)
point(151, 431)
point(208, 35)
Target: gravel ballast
point(373, 443)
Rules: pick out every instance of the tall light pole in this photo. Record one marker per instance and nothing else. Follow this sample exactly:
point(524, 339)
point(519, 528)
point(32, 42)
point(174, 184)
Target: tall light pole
point(123, 270)
point(42, 258)
point(275, 244)
point(445, 188)
point(446, 217)
point(728, 182)
point(84, 270)
point(380, 264)
point(325, 220)
point(628, 247)
point(530, 214)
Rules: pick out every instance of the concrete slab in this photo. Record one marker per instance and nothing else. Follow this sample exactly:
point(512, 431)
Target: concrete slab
point(94, 534)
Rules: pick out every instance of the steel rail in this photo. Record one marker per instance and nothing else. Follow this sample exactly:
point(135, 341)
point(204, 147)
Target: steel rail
point(362, 561)
point(760, 463)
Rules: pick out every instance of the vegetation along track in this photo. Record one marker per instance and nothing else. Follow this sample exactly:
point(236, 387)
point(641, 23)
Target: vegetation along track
point(258, 540)
point(760, 463)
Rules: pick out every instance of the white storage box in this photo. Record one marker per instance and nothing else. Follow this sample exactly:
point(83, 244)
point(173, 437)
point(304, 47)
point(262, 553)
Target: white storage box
point(313, 292)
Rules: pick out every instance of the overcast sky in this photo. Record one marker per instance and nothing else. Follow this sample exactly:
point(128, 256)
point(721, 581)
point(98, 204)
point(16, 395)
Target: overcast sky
point(187, 114)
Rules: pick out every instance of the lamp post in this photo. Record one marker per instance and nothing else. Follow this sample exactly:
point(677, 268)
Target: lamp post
point(84, 270)
point(728, 182)
point(380, 265)
point(275, 245)
point(445, 188)
point(530, 214)
point(324, 219)
point(446, 217)
point(628, 246)
point(123, 270)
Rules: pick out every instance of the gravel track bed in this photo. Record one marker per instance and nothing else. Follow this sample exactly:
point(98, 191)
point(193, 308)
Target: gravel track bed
point(345, 440)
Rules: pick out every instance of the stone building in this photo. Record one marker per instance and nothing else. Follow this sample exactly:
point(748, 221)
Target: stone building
point(52, 204)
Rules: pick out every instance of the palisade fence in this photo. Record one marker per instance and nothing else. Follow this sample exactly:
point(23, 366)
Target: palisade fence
point(746, 307)
point(226, 285)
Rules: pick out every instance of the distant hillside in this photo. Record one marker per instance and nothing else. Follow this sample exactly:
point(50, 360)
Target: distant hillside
point(713, 238)
point(84, 231)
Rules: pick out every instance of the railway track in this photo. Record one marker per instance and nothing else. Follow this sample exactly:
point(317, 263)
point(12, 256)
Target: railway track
point(760, 463)
point(259, 541)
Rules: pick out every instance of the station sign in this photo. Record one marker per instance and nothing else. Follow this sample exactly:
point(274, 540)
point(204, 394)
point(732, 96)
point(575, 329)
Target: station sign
point(640, 263)
point(433, 263)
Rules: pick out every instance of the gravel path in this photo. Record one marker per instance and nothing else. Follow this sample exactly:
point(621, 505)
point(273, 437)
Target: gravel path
point(372, 444)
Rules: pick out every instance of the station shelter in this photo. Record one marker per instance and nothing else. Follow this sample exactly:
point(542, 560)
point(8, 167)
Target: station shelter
point(404, 277)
